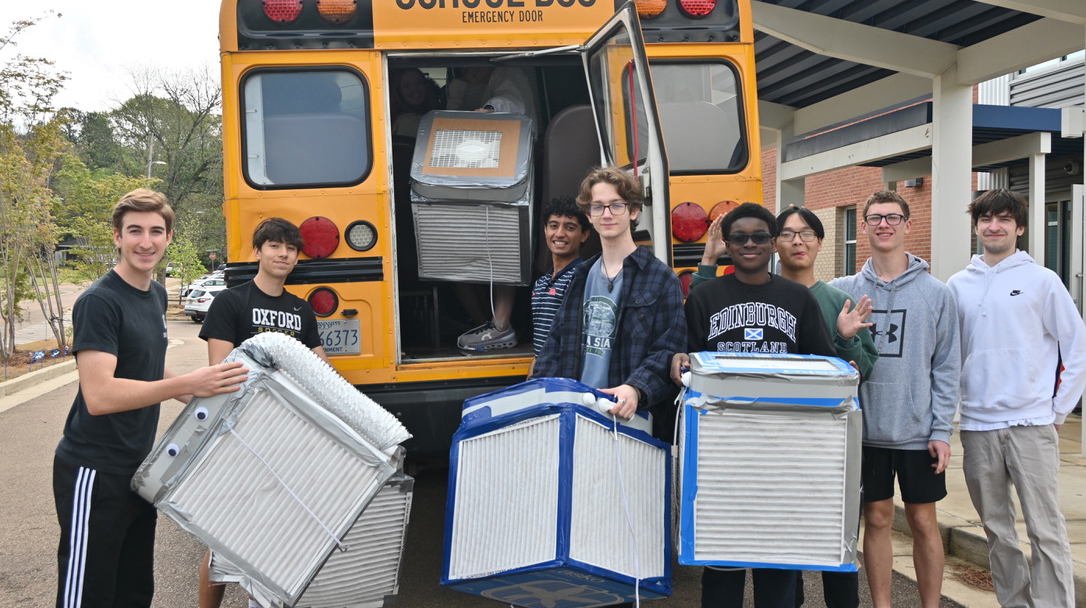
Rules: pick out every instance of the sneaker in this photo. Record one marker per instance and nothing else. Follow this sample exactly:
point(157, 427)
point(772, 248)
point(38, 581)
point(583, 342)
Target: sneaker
point(487, 337)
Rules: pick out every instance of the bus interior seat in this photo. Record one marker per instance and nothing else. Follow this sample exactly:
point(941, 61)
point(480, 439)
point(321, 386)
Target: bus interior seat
point(570, 150)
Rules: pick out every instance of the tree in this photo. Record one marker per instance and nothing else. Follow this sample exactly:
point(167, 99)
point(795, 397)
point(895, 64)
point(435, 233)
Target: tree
point(31, 142)
point(183, 252)
point(83, 209)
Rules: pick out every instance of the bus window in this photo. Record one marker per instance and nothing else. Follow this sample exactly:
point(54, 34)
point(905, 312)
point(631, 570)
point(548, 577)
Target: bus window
point(305, 128)
point(701, 116)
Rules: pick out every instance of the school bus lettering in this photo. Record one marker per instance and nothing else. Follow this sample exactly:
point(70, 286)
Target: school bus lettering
point(494, 4)
point(502, 16)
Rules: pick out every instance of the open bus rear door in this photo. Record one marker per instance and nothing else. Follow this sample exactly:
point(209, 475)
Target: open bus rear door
point(627, 120)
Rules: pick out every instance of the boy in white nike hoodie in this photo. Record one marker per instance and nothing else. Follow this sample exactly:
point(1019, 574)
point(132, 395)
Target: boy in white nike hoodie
point(1024, 347)
point(908, 400)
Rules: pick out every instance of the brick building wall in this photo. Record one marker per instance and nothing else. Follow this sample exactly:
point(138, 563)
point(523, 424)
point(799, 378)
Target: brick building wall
point(829, 194)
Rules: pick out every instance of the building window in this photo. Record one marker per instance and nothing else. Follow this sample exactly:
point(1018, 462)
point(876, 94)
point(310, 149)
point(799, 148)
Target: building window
point(849, 236)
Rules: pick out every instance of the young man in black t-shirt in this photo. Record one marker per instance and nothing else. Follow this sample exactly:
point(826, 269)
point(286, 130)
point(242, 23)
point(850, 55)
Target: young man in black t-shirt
point(254, 307)
point(752, 311)
point(107, 531)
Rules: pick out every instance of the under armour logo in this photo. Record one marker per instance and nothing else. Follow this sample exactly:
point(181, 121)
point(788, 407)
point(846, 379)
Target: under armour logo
point(891, 334)
point(1016, 292)
point(752, 333)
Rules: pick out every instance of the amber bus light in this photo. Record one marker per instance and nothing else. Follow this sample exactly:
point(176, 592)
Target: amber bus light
point(337, 12)
point(650, 9)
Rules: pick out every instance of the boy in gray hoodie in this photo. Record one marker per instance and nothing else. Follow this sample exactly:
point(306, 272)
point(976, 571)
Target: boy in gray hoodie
point(909, 399)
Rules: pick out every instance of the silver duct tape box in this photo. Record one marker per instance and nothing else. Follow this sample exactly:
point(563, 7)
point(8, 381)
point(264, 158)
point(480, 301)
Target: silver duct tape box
point(497, 248)
point(472, 156)
point(367, 575)
point(473, 168)
point(538, 503)
point(767, 479)
point(267, 477)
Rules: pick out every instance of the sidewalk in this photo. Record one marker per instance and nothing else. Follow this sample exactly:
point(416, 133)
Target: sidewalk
point(963, 536)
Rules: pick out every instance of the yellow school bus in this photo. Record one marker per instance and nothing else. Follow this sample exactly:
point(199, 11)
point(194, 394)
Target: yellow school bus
point(663, 88)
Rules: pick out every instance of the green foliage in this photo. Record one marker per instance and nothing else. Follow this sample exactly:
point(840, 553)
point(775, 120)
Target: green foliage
point(83, 209)
point(183, 252)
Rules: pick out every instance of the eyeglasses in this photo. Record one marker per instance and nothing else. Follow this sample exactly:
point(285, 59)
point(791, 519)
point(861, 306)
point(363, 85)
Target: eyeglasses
point(804, 235)
point(740, 238)
point(892, 219)
point(616, 209)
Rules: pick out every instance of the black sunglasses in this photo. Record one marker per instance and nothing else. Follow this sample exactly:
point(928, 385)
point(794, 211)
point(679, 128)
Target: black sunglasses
point(740, 238)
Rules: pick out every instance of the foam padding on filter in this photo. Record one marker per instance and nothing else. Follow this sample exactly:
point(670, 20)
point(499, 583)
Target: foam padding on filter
point(364, 415)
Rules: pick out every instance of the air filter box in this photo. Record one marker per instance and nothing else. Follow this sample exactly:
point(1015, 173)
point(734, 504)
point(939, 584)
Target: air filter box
point(553, 504)
point(268, 477)
point(471, 189)
point(769, 462)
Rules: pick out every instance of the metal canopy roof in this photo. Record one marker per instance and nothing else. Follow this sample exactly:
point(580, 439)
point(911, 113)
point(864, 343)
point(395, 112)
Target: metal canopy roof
point(791, 75)
point(822, 63)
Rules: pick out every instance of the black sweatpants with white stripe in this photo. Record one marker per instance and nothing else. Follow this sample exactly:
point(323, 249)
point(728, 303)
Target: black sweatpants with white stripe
point(107, 540)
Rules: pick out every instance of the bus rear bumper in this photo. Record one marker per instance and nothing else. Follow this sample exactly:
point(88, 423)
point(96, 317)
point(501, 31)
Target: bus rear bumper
point(431, 410)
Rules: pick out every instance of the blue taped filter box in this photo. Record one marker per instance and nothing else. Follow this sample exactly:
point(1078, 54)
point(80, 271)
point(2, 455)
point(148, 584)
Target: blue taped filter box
point(553, 503)
point(769, 462)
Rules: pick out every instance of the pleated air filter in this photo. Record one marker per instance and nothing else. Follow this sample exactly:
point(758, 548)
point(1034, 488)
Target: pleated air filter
point(471, 188)
point(364, 576)
point(770, 462)
point(551, 504)
point(273, 476)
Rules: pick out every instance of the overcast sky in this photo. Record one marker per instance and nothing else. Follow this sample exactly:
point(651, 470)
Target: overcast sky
point(97, 41)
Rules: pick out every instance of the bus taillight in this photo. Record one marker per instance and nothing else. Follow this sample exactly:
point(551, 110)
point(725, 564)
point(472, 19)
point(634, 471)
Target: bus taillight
point(722, 208)
point(323, 301)
point(697, 8)
point(649, 9)
point(686, 279)
point(321, 237)
point(361, 235)
point(337, 12)
point(282, 11)
point(688, 222)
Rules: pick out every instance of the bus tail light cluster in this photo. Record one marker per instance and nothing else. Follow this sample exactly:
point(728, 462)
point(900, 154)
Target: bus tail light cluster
point(337, 12)
point(689, 222)
point(323, 301)
point(722, 208)
point(694, 9)
point(282, 11)
point(321, 237)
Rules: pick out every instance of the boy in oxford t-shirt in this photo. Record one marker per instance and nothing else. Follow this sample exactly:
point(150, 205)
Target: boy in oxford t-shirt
point(257, 306)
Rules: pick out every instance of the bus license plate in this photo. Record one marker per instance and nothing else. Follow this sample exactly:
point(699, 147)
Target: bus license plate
point(340, 336)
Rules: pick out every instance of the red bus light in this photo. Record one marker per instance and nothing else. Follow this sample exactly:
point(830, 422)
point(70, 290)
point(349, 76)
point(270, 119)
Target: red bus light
point(697, 8)
point(686, 278)
point(323, 301)
point(282, 11)
point(337, 12)
point(722, 208)
point(321, 237)
point(688, 222)
point(650, 9)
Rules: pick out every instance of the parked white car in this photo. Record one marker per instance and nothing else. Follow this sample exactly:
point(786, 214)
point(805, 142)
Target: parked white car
point(199, 301)
point(202, 283)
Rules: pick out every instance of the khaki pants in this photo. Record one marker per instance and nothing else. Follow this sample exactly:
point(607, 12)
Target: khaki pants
point(1028, 457)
